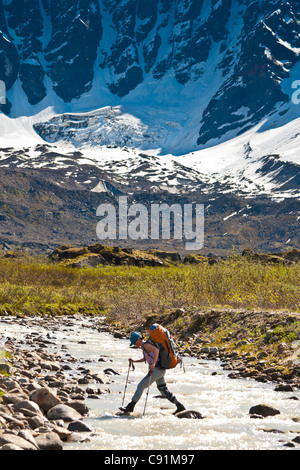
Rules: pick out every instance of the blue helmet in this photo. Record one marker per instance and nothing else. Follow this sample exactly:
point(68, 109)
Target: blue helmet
point(134, 336)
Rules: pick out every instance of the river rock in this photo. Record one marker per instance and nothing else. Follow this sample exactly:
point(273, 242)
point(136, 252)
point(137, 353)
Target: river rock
point(63, 433)
point(64, 412)
point(263, 410)
point(8, 438)
point(45, 399)
point(13, 398)
point(10, 385)
point(284, 388)
point(101, 378)
point(79, 426)
point(79, 406)
point(210, 351)
point(12, 420)
point(6, 368)
point(26, 434)
point(10, 447)
point(36, 421)
point(110, 371)
point(27, 405)
point(51, 365)
point(189, 414)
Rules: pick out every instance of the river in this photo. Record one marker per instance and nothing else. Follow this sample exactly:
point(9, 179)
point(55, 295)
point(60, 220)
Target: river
point(204, 387)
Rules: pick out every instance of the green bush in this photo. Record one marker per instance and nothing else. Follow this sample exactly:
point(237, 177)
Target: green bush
point(36, 286)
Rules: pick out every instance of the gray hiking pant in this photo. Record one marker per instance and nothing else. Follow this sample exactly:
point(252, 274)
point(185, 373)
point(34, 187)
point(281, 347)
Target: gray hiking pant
point(157, 376)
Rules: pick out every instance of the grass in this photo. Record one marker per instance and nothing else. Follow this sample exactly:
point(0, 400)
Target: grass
point(34, 285)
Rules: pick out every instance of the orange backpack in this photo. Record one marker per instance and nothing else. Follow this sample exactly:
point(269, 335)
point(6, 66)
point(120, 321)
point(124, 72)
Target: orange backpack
point(164, 341)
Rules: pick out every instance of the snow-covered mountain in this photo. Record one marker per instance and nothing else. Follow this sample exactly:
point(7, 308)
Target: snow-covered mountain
point(187, 97)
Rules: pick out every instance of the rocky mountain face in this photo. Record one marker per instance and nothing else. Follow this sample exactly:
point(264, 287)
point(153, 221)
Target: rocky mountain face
point(249, 45)
point(151, 78)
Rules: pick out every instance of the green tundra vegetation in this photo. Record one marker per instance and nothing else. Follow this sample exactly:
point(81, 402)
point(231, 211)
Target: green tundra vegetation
point(39, 285)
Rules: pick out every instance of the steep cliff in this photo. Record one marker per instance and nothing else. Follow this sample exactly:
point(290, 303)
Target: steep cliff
point(228, 57)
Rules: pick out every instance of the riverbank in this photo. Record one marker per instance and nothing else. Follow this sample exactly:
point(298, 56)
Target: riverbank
point(42, 393)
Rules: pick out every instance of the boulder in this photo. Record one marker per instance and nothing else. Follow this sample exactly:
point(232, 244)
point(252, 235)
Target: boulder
point(79, 426)
point(211, 351)
point(13, 398)
point(27, 405)
point(170, 256)
point(45, 399)
point(49, 441)
point(6, 368)
point(263, 410)
point(195, 259)
point(189, 414)
point(18, 441)
point(10, 385)
point(50, 365)
point(11, 420)
point(26, 434)
point(79, 406)
point(90, 261)
point(64, 412)
point(35, 421)
point(63, 433)
point(68, 252)
point(10, 447)
point(100, 378)
point(284, 388)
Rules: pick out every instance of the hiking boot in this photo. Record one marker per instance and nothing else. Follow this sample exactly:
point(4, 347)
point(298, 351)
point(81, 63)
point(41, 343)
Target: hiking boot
point(180, 407)
point(129, 408)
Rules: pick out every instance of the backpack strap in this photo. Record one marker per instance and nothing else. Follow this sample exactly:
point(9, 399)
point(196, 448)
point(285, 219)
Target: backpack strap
point(153, 343)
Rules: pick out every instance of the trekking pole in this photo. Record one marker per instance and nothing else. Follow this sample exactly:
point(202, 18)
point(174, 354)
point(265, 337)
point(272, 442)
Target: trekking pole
point(181, 363)
point(129, 367)
point(150, 373)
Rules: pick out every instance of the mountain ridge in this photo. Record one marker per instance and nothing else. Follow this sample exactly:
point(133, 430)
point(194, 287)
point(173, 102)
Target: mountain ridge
point(58, 52)
point(169, 99)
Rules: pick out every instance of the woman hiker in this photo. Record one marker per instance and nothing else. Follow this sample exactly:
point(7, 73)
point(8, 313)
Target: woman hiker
point(157, 373)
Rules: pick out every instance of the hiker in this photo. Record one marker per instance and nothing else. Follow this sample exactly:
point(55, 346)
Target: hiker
point(156, 372)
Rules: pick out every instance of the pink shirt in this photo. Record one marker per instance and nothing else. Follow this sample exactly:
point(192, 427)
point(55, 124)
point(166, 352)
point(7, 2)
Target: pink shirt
point(149, 356)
